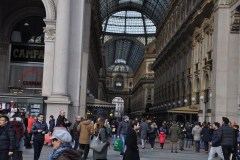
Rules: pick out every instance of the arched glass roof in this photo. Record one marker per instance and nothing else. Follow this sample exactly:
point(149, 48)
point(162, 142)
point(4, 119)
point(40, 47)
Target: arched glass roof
point(155, 10)
point(123, 51)
point(129, 22)
point(135, 19)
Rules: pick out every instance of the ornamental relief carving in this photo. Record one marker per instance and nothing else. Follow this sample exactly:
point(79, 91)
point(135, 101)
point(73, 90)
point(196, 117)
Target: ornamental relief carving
point(50, 34)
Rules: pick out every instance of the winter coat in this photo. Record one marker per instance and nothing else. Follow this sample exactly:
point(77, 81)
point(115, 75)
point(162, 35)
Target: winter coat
point(19, 129)
point(123, 128)
point(7, 138)
point(85, 128)
point(152, 131)
point(61, 121)
point(30, 123)
point(143, 130)
point(182, 133)
point(103, 138)
point(39, 126)
point(174, 132)
point(189, 133)
point(216, 142)
point(70, 154)
point(76, 134)
point(227, 135)
point(114, 126)
point(51, 125)
point(206, 134)
point(132, 152)
point(162, 137)
point(196, 131)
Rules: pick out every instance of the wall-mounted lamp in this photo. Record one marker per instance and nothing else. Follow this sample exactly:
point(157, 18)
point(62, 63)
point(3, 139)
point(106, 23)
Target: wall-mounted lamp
point(179, 102)
point(193, 99)
point(185, 100)
point(201, 98)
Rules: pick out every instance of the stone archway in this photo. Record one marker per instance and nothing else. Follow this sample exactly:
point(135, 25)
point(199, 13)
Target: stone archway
point(50, 9)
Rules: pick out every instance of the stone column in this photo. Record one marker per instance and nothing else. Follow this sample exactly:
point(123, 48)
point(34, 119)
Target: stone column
point(220, 61)
point(49, 50)
point(85, 52)
point(59, 99)
point(60, 76)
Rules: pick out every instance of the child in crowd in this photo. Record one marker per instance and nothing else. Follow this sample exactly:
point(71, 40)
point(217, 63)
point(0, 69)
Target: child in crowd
point(162, 137)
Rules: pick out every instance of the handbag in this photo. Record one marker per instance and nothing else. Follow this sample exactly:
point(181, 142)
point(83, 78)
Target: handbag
point(96, 144)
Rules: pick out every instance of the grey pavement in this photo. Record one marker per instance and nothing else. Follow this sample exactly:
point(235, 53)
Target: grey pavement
point(145, 154)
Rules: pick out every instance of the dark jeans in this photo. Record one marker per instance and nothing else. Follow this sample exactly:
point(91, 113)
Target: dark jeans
point(37, 144)
point(85, 148)
point(206, 146)
point(152, 142)
point(4, 156)
point(161, 145)
point(76, 144)
point(28, 137)
point(227, 152)
point(17, 155)
point(197, 146)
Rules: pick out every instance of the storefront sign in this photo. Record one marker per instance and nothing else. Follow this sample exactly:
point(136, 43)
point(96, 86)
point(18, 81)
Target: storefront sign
point(35, 109)
point(27, 53)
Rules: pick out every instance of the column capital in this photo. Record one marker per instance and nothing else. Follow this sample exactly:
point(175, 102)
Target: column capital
point(49, 34)
point(49, 30)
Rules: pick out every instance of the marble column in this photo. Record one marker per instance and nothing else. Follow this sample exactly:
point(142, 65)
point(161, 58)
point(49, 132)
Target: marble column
point(85, 56)
point(59, 99)
point(220, 62)
point(49, 50)
point(60, 76)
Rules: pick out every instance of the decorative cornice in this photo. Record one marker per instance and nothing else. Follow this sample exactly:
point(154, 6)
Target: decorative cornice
point(235, 24)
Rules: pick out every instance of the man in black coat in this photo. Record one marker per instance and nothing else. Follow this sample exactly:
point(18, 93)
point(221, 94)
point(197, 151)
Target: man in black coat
point(62, 120)
point(227, 137)
point(7, 138)
point(39, 129)
point(76, 134)
point(132, 151)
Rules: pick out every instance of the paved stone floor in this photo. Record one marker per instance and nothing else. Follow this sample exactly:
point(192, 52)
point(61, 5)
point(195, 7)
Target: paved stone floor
point(145, 154)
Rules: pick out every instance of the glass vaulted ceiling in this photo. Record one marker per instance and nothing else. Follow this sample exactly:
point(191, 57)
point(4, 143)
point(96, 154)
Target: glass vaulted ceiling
point(129, 22)
point(137, 19)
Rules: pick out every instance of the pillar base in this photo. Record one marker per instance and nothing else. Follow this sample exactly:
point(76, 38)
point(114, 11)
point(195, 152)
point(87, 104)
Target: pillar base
point(55, 104)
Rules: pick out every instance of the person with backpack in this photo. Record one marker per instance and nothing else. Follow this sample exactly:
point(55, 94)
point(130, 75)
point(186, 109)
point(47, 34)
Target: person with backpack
point(19, 128)
point(7, 138)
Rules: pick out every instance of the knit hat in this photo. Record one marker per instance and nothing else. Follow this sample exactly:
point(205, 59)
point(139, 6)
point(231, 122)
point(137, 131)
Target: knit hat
point(62, 135)
point(225, 120)
point(125, 117)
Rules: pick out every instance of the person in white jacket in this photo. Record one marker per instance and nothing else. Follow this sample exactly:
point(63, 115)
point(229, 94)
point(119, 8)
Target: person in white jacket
point(196, 132)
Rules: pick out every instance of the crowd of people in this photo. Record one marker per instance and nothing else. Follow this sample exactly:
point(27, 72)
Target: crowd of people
point(73, 141)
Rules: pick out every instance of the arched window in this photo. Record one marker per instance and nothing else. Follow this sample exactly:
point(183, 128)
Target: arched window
point(119, 83)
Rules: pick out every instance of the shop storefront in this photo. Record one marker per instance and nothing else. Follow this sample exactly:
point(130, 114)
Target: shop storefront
point(28, 105)
point(26, 59)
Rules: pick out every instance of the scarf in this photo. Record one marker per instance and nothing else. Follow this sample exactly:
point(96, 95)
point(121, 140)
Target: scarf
point(56, 152)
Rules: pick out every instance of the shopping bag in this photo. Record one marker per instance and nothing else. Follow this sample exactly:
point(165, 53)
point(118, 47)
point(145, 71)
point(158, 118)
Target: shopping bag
point(118, 145)
point(48, 139)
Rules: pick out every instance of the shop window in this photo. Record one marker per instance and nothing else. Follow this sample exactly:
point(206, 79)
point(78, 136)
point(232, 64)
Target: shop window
point(27, 56)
